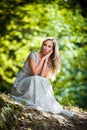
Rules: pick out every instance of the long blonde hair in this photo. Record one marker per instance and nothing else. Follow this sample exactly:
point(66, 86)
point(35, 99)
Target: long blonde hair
point(54, 58)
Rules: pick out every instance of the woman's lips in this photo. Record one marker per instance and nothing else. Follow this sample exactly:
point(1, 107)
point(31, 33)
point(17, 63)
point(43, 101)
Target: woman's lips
point(45, 51)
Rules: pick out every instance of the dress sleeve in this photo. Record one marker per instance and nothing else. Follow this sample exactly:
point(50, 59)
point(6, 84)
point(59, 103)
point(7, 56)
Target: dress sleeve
point(32, 55)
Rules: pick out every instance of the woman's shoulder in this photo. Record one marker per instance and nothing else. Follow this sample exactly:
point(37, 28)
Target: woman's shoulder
point(32, 54)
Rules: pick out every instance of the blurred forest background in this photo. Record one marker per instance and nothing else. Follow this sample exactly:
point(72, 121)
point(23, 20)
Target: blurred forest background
point(23, 26)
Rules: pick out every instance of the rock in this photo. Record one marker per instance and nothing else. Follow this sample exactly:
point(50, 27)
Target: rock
point(15, 116)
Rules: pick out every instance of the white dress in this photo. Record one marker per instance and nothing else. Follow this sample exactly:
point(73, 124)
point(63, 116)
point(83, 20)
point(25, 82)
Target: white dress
point(36, 91)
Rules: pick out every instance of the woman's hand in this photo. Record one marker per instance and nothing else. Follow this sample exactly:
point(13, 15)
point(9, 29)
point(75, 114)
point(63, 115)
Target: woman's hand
point(48, 55)
point(45, 69)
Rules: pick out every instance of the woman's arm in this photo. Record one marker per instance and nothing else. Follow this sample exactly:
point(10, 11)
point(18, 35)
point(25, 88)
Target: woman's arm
point(41, 66)
point(45, 69)
point(36, 68)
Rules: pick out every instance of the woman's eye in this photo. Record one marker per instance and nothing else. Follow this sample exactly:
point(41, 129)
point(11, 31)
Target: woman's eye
point(45, 45)
point(49, 46)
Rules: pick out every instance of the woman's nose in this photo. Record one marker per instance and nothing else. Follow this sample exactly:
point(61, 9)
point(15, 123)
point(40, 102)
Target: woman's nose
point(46, 47)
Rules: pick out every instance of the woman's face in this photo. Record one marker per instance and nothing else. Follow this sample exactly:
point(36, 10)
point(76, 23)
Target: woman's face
point(47, 47)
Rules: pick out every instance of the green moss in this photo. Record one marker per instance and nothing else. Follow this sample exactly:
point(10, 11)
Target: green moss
point(9, 114)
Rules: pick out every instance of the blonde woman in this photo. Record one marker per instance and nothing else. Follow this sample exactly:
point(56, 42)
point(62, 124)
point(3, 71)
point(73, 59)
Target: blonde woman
point(32, 86)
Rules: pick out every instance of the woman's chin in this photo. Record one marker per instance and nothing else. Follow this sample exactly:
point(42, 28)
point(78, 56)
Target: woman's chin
point(45, 53)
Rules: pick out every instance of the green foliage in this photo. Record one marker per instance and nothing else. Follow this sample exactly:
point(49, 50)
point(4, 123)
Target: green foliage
point(25, 25)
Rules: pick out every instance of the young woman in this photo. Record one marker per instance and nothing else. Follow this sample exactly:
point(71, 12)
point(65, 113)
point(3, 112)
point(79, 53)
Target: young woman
point(32, 86)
